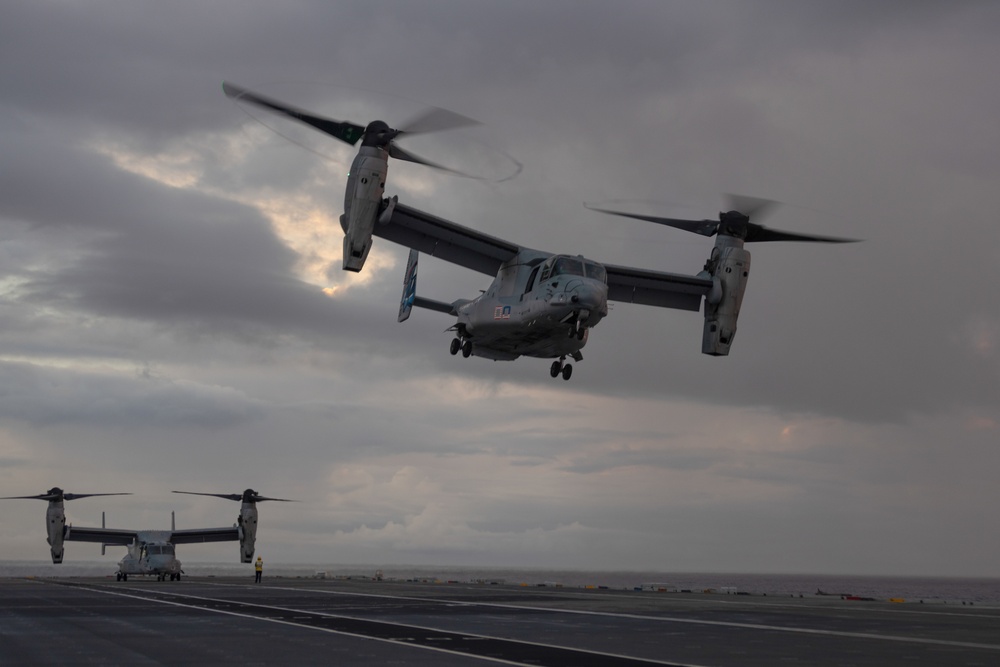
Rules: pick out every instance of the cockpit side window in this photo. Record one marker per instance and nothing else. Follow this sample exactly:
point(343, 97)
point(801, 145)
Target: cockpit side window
point(546, 269)
point(531, 280)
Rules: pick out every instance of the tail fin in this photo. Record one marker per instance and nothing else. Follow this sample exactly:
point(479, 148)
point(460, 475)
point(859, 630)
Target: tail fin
point(409, 287)
point(410, 298)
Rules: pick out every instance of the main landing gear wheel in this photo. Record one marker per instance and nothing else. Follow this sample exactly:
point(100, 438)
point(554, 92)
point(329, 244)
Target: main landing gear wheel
point(467, 349)
point(456, 345)
point(558, 367)
point(118, 576)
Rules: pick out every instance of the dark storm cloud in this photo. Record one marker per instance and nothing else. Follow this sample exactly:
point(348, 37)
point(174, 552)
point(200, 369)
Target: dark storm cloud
point(130, 66)
point(152, 252)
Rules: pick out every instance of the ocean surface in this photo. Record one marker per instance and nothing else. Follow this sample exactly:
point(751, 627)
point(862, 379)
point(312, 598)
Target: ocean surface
point(941, 590)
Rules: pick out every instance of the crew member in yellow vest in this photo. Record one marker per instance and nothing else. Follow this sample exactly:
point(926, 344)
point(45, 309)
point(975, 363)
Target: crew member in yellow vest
point(259, 567)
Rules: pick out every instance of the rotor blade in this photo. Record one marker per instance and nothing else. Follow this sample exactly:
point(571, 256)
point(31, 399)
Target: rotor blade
point(436, 119)
point(236, 496)
point(64, 496)
point(759, 233)
point(43, 496)
point(703, 227)
point(255, 497)
point(751, 207)
point(403, 154)
point(227, 496)
point(343, 130)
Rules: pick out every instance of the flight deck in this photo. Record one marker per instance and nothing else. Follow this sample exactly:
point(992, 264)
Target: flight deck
point(231, 621)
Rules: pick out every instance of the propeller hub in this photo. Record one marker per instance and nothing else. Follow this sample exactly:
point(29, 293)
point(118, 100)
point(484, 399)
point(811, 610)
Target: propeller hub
point(733, 223)
point(379, 134)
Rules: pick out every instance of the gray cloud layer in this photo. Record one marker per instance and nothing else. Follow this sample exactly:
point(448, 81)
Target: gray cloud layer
point(163, 318)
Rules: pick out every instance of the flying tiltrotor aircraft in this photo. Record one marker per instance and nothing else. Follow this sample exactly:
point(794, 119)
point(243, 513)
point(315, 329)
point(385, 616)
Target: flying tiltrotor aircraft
point(150, 552)
point(540, 304)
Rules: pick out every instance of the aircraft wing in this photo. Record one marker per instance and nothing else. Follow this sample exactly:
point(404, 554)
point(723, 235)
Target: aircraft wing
point(196, 535)
point(100, 535)
point(474, 250)
point(656, 288)
point(445, 240)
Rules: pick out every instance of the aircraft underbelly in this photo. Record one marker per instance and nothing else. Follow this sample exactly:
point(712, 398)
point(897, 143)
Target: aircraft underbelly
point(544, 338)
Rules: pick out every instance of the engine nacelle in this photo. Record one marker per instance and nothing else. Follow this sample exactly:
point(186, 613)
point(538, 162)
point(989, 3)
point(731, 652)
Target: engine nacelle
point(247, 522)
point(362, 199)
point(55, 526)
point(730, 268)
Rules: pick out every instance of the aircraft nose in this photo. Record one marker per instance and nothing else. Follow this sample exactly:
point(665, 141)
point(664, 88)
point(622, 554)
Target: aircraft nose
point(590, 296)
point(583, 294)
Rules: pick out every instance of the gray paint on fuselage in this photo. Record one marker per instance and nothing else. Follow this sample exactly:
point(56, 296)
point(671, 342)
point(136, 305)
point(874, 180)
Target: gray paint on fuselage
point(508, 320)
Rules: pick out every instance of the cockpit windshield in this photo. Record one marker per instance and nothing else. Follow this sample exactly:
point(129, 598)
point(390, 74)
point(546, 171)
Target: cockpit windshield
point(567, 266)
point(160, 550)
point(596, 271)
point(576, 266)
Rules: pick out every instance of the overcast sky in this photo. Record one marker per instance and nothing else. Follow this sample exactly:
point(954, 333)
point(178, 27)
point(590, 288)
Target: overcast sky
point(173, 314)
